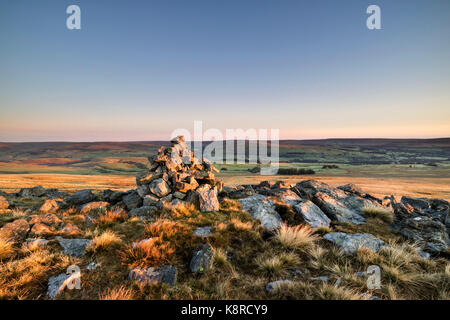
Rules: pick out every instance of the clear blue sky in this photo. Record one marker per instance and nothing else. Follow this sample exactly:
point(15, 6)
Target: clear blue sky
point(139, 69)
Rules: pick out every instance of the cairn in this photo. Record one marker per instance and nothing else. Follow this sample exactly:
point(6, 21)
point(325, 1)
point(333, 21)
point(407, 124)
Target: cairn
point(175, 175)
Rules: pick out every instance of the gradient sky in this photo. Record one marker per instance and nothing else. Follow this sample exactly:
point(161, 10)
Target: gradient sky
point(139, 69)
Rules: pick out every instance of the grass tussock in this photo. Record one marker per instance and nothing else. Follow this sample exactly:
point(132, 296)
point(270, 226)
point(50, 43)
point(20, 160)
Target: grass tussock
point(277, 265)
point(117, 293)
point(110, 218)
point(148, 252)
point(6, 249)
point(108, 240)
point(378, 212)
point(298, 237)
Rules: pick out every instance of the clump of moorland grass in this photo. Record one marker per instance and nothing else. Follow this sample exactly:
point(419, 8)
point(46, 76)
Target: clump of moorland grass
point(108, 240)
point(229, 205)
point(276, 265)
point(298, 237)
point(148, 252)
point(110, 217)
point(6, 249)
point(378, 212)
point(117, 293)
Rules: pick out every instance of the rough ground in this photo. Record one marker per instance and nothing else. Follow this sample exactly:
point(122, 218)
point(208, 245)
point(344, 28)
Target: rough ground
point(162, 253)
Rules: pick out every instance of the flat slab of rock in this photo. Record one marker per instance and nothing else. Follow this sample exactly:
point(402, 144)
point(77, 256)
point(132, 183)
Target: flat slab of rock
point(75, 247)
point(263, 209)
point(202, 259)
point(352, 242)
point(203, 232)
point(312, 214)
point(155, 275)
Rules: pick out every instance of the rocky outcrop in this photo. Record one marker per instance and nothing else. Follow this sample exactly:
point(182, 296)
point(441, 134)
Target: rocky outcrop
point(262, 208)
point(425, 221)
point(352, 242)
point(337, 204)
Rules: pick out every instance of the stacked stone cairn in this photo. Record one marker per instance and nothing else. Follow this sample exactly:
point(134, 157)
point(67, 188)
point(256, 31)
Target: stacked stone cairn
point(175, 176)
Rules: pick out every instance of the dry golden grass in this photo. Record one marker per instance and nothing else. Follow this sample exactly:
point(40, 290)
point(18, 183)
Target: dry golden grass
point(297, 237)
point(148, 252)
point(111, 217)
point(277, 265)
point(108, 240)
point(378, 212)
point(6, 249)
point(117, 293)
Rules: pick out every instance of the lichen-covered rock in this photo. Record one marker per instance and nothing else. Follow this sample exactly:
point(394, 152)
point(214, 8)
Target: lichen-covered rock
point(132, 200)
point(312, 214)
point(143, 211)
point(50, 206)
point(207, 198)
point(57, 284)
point(263, 209)
point(203, 232)
point(335, 203)
point(159, 187)
point(34, 192)
point(352, 242)
point(48, 219)
point(75, 247)
point(41, 229)
point(81, 197)
point(155, 275)
point(425, 221)
point(96, 205)
point(15, 231)
point(201, 259)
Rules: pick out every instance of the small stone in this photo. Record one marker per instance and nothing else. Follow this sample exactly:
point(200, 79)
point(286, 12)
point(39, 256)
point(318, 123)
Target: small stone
point(352, 242)
point(132, 200)
point(70, 230)
point(203, 232)
point(48, 219)
point(272, 286)
point(4, 204)
point(15, 231)
point(40, 229)
point(322, 278)
point(81, 197)
point(179, 195)
point(92, 266)
point(159, 187)
point(150, 200)
point(143, 211)
point(208, 199)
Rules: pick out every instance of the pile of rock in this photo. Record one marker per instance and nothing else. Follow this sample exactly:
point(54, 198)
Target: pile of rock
point(176, 175)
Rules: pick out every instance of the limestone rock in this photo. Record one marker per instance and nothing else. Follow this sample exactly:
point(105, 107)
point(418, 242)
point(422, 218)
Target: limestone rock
point(352, 242)
point(57, 284)
point(208, 200)
point(50, 206)
point(203, 232)
point(312, 214)
point(75, 247)
point(263, 209)
point(132, 200)
point(159, 187)
point(4, 204)
point(143, 211)
point(155, 275)
point(274, 285)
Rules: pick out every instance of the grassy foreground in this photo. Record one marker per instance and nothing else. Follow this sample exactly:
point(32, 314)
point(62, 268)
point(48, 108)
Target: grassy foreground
point(245, 259)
